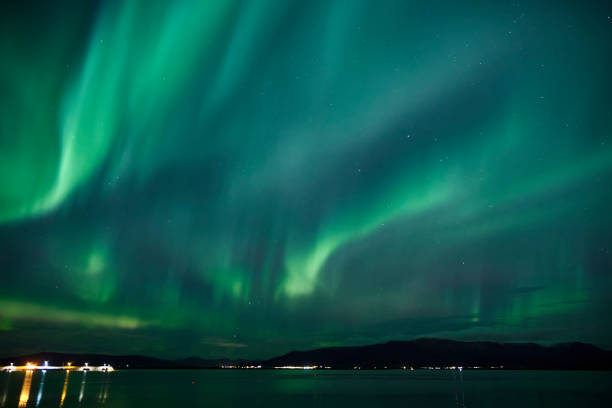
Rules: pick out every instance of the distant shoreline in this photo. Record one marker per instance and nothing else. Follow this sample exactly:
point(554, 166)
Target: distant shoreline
point(421, 354)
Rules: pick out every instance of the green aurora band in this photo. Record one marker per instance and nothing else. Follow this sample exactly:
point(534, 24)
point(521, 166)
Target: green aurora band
point(232, 178)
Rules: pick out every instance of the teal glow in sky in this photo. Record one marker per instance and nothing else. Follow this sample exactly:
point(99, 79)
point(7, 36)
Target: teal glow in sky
point(230, 178)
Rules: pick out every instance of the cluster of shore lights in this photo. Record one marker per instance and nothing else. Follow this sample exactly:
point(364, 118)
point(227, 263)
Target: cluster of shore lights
point(248, 367)
point(298, 367)
point(45, 366)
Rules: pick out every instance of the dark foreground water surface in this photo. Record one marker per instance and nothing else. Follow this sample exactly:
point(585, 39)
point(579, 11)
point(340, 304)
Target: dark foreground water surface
point(305, 388)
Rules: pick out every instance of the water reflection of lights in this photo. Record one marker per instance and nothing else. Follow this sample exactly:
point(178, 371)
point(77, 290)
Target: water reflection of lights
point(5, 392)
point(63, 397)
point(25, 389)
point(82, 386)
point(40, 388)
point(103, 394)
point(31, 390)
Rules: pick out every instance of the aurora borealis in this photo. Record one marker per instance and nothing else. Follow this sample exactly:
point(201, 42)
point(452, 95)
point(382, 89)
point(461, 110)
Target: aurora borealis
point(243, 178)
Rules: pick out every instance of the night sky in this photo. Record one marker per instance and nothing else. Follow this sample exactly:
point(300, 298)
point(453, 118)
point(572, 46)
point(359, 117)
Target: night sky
point(243, 178)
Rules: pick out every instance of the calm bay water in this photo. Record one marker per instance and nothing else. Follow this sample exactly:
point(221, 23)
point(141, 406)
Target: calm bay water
point(328, 388)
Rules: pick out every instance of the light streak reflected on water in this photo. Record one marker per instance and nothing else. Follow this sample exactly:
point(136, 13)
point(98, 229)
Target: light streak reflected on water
point(65, 387)
point(24, 396)
point(40, 388)
point(82, 391)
